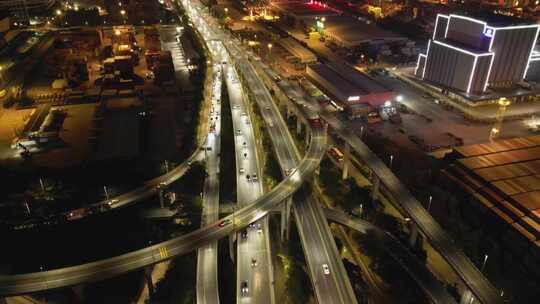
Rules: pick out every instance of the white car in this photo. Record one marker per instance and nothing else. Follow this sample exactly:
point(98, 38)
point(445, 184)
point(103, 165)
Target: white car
point(325, 269)
point(244, 289)
point(242, 171)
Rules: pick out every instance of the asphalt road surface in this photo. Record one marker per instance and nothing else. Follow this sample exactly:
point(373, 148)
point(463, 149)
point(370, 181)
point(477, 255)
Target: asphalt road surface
point(253, 250)
point(317, 240)
point(207, 270)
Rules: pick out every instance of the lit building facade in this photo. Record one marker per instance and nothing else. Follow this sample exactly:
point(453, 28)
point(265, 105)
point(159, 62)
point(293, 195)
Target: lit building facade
point(468, 55)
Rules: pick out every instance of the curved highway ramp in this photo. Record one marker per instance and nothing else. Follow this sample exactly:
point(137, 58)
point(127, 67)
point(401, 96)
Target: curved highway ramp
point(107, 268)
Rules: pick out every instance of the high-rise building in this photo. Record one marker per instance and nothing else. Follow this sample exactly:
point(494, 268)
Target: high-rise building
point(468, 55)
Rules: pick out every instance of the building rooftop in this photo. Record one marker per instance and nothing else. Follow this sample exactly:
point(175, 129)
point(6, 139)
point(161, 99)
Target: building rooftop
point(325, 72)
point(359, 79)
point(304, 9)
point(352, 32)
point(347, 85)
point(505, 177)
point(298, 50)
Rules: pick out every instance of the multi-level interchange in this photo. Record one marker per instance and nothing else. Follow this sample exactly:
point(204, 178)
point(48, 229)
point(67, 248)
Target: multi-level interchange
point(248, 82)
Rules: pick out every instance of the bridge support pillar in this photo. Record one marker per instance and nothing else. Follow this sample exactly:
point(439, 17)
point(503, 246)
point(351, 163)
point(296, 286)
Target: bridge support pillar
point(149, 283)
point(413, 237)
point(283, 109)
point(78, 290)
point(286, 219)
point(232, 238)
point(467, 297)
point(161, 200)
point(346, 157)
point(375, 189)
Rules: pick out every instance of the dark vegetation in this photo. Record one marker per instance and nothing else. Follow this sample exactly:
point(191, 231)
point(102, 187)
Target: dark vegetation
point(226, 274)
point(197, 78)
point(357, 201)
point(297, 285)
point(227, 172)
point(178, 285)
point(74, 243)
point(402, 288)
point(272, 170)
point(298, 138)
point(65, 189)
point(189, 196)
point(359, 286)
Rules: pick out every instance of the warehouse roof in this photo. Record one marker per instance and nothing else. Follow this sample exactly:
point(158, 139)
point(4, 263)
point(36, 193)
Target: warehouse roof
point(505, 177)
point(498, 146)
point(303, 9)
point(328, 74)
point(359, 79)
point(300, 52)
point(352, 32)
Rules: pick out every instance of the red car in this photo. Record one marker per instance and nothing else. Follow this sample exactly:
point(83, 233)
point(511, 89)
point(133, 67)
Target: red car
point(224, 222)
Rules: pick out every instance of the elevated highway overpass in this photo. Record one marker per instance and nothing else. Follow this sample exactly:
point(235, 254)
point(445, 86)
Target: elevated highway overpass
point(403, 200)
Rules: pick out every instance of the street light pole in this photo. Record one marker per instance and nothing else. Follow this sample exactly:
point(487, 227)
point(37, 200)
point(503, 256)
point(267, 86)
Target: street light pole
point(106, 192)
point(27, 207)
point(484, 263)
point(429, 204)
point(42, 184)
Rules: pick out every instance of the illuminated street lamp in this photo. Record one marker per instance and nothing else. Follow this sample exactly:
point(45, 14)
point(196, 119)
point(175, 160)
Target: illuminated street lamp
point(496, 130)
point(319, 24)
point(1, 77)
point(58, 12)
point(122, 12)
point(270, 49)
point(484, 263)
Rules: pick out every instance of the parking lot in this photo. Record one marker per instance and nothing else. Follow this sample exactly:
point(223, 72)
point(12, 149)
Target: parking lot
point(433, 125)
